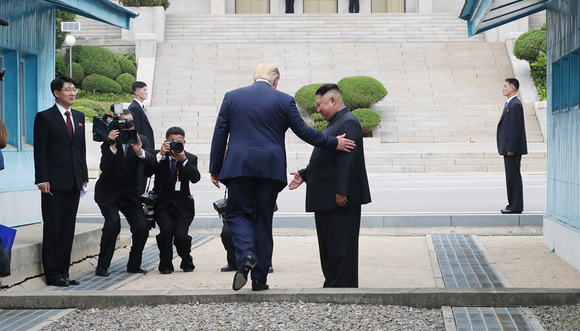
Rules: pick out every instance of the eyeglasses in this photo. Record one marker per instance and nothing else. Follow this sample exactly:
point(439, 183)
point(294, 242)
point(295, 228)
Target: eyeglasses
point(68, 90)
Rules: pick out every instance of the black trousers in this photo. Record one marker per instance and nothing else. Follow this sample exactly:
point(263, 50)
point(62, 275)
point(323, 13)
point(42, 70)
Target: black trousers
point(59, 212)
point(338, 232)
point(251, 203)
point(353, 6)
point(228, 243)
point(173, 231)
point(289, 6)
point(135, 216)
point(513, 179)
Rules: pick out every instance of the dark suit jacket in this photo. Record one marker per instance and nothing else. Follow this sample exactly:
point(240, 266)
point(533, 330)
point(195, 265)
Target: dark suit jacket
point(142, 124)
point(511, 129)
point(59, 160)
point(333, 172)
point(119, 173)
point(165, 185)
point(256, 118)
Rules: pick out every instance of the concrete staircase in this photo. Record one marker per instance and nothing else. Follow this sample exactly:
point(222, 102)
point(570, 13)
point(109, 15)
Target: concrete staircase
point(444, 98)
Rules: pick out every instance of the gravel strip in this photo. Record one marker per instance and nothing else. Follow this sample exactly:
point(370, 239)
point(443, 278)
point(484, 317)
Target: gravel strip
point(253, 316)
point(558, 317)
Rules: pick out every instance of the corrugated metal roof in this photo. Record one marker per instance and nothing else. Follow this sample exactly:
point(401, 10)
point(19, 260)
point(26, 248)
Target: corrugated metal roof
point(483, 15)
point(101, 10)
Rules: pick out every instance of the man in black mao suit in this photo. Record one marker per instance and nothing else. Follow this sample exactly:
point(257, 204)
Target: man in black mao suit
point(337, 187)
point(512, 144)
point(142, 125)
point(117, 190)
point(61, 172)
point(255, 119)
point(175, 207)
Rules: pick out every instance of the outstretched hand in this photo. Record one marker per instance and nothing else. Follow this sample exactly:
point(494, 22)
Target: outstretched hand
point(215, 179)
point(344, 144)
point(296, 181)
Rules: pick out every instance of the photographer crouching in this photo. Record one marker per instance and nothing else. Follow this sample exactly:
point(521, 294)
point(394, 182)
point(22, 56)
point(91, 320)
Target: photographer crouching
point(117, 189)
point(174, 205)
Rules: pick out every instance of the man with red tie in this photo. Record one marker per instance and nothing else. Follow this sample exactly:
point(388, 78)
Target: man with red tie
point(61, 172)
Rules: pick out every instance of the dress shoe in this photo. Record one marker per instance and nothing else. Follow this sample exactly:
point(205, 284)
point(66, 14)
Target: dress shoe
point(136, 271)
point(241, 276)
point(227, 268)
point(100, 271)
point(165, 271)
point(72, 281)
point(57, 282)
point(257, 286)
point(507, 211)
point(188, 269)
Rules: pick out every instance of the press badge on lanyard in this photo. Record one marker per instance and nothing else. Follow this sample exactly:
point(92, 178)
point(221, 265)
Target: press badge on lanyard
point(177, 182)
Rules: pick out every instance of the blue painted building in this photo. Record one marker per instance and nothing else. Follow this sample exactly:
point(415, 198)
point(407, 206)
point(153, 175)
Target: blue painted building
point(27, 51)
point(562, 219)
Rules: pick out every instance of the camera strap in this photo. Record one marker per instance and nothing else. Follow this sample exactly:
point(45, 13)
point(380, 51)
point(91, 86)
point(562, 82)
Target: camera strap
point(148, 184)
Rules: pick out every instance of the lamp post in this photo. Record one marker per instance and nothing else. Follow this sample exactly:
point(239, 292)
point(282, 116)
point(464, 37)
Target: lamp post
point(70, 41)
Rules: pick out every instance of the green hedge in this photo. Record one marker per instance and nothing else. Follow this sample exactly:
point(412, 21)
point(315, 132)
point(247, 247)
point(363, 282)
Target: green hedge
point(102, 84)
point(361, 91)
point(88, 103)
point(125, 81)
point(368, 118)
point(78, 74)
point(145, 3)
point(530, 44)
point(127, 65)
point(59, 67)
point(538, 73)
point(89, 113)
point(306, 97)
point(100, 61)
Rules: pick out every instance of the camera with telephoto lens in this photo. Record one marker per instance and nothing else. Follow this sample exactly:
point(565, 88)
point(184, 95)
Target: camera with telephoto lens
point(103, 125)
point(176, 147)
point(148, 201)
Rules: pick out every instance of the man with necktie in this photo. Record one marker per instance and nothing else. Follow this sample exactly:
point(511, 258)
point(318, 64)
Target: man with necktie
point(142, 125)
point(60, 173)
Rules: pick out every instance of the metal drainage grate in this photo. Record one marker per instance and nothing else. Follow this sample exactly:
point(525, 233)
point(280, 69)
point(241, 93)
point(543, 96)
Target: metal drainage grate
point(489, 318)
point(26, 319)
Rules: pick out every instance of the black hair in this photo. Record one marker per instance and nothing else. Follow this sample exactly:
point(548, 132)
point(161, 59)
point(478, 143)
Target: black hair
point(127, 112)
point(513, 82)
point(137, 85)
point(58, 83)
point(325, 88)
point(174, 130)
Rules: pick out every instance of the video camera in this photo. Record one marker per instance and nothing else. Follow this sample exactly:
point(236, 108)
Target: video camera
point(103, 125)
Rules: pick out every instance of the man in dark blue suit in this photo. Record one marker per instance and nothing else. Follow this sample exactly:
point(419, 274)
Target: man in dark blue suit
point(142, 125)
point(61, 172)
point(512, 144)
point(255, 118)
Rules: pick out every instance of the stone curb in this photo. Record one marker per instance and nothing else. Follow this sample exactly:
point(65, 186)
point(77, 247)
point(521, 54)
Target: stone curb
point(433, 298)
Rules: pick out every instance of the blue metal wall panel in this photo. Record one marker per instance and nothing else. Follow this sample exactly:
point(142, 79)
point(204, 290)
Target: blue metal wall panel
point(563, 37)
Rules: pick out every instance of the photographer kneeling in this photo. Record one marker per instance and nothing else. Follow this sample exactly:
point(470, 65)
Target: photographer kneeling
point(118, 190)
point(174, 206)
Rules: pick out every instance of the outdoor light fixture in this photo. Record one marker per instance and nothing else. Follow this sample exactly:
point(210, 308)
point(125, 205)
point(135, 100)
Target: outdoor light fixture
point(70, 41)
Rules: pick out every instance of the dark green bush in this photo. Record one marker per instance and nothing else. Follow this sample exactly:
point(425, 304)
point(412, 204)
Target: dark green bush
point(316, 117)
point(78, 74)
point(361, 91)
point(145, 3)
point(59, 66)
point(321, 125)
point(92, 104)
point(306, 97)
point(102, 84)
point(530, 44)
point(368, 118)
point(89, 113)
point(538, 73)
point(127, 65)
point(100, 61)
point(76, 50)
point(125, 80)
point(105, 97)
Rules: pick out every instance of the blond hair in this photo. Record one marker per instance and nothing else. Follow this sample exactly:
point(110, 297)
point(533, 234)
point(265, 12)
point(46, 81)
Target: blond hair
point(266, 71)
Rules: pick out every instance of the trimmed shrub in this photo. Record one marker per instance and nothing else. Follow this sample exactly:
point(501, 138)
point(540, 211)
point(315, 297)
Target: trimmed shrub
point(316, 117)
point(98, 83)
point(100, 61)
point(361, 91)
point(127, 66)
point(530, 44)
point(145, 3)
point(538, 73)
point(92, 104)
point(319, 123)
point(125, 80)
point(59, 66)
point(105, 97)
point(78, 74)
point(369, 120)
point(89, 113)
point(306, 97)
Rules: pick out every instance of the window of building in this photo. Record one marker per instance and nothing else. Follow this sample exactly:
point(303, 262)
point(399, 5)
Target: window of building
point(566, 83)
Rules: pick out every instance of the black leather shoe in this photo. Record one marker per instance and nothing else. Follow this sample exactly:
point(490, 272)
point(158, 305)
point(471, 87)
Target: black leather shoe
point(188, 269)
point(507, 211)
point(100, 271)
point(165, 272)
point(227, 268)
point(257, 286)
point(72, 281)
point(58, 282)
point(136, 271)
point(241, 276)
